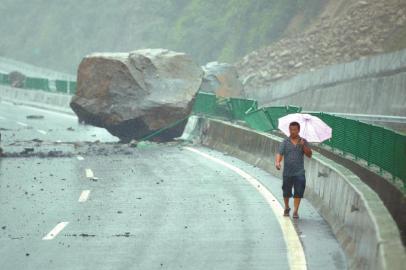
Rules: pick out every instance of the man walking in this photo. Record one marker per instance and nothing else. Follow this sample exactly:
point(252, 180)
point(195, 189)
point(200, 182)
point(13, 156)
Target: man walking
point(292, 150)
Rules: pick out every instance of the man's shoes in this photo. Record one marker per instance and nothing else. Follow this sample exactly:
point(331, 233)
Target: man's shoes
point(286, 212)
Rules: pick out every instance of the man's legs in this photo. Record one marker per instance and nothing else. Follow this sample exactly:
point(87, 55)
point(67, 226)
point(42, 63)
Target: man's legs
point(299, 185)
point(287, 193)
point(286, 200)
point(296, 204)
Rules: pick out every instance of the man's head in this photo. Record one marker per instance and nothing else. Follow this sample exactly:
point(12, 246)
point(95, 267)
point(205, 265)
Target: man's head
point(294, 129)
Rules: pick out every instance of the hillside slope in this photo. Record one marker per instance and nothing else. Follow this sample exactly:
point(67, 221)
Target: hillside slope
point(344, 31)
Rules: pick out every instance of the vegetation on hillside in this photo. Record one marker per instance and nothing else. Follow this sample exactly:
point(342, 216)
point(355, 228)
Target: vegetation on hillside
point(58, 34)
point(237, 26)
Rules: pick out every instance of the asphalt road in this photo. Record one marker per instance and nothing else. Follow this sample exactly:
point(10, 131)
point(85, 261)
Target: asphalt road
point(55, 127)
point(159, 206)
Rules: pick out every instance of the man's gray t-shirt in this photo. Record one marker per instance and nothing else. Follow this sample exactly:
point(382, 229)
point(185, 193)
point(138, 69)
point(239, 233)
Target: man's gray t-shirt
point(293, 156)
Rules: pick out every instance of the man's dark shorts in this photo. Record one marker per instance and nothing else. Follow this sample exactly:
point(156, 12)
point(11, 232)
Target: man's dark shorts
point(297, 182)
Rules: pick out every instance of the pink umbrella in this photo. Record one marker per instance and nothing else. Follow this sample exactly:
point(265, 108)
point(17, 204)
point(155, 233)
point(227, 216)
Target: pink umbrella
point(312, 128)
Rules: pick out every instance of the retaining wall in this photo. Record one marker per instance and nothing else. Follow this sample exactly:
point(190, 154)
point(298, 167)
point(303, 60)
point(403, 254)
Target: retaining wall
point(374, 85)
point(37, 98)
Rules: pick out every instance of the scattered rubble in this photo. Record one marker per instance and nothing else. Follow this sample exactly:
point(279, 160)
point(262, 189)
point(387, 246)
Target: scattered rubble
point(126, 234)
point(27, 150)
point(42, 149)
point(35, 117)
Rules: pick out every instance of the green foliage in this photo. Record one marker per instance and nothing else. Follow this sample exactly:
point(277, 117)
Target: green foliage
point(58, 35)
point(229, 29)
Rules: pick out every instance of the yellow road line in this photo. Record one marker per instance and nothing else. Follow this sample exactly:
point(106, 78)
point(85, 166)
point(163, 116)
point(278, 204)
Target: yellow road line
point(296, 256)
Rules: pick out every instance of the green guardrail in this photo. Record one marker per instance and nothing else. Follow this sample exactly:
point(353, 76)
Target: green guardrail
point(266, 119)
point(259, 120)
point(277, 112)
point(68, 87)
point(379, 146)
point(205, 103)
point(376, 145)
point(240, 107)
point(61, 86)
point(72, 87)
point(37, 83)
point(4, 79)
point(222, 108)
point(228, 108)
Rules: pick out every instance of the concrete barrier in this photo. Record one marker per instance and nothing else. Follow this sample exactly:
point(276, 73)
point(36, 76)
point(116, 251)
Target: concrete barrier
point(366, 86)
point(359, 219)
point(36, 98)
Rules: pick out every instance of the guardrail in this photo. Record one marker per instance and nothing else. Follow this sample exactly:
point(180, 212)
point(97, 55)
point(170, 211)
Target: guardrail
point(376, 145)
point(229, 108)
point(371, 117)
point(60, 86)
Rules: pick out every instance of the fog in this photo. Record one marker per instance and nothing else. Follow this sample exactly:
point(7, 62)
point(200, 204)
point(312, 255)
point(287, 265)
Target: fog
point(57, 34)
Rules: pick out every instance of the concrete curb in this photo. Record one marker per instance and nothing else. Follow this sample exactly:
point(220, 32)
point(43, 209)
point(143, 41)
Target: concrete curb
point(36, 98)
point(359, 219)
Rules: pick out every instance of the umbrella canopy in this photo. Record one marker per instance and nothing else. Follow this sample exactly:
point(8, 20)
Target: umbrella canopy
point(312, 128)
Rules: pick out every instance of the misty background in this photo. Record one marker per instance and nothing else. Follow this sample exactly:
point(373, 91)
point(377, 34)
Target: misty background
point(57, 34)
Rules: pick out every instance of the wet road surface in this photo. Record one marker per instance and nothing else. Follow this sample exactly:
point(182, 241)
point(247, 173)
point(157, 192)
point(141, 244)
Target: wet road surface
point(158, 206)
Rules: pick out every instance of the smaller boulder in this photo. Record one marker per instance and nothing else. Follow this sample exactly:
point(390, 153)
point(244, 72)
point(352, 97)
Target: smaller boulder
point(222, 80)
point(17, 79)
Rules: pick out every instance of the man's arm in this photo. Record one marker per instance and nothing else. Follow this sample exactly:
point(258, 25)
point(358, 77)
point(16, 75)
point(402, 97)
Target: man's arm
point(306, 148)
point(279, 156)
point(278, 161)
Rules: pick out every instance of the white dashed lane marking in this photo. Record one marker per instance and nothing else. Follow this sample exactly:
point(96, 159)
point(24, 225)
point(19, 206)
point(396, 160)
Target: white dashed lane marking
point(22, 124)
point(89, 173)
point(84, 196)
point(55, 231)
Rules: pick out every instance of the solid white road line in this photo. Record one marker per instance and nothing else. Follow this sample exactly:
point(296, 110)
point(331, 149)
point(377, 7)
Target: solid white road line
point(6, 102)
point(296, 256)
point(42, 131)
point(42, 110)
point(84, 196)
point(54, 232)
point(22, 124)
point(80, 158)
point(89, 173)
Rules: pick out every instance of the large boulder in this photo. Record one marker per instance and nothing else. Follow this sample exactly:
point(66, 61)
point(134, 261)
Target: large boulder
point(222, 80)
point(134, 94)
